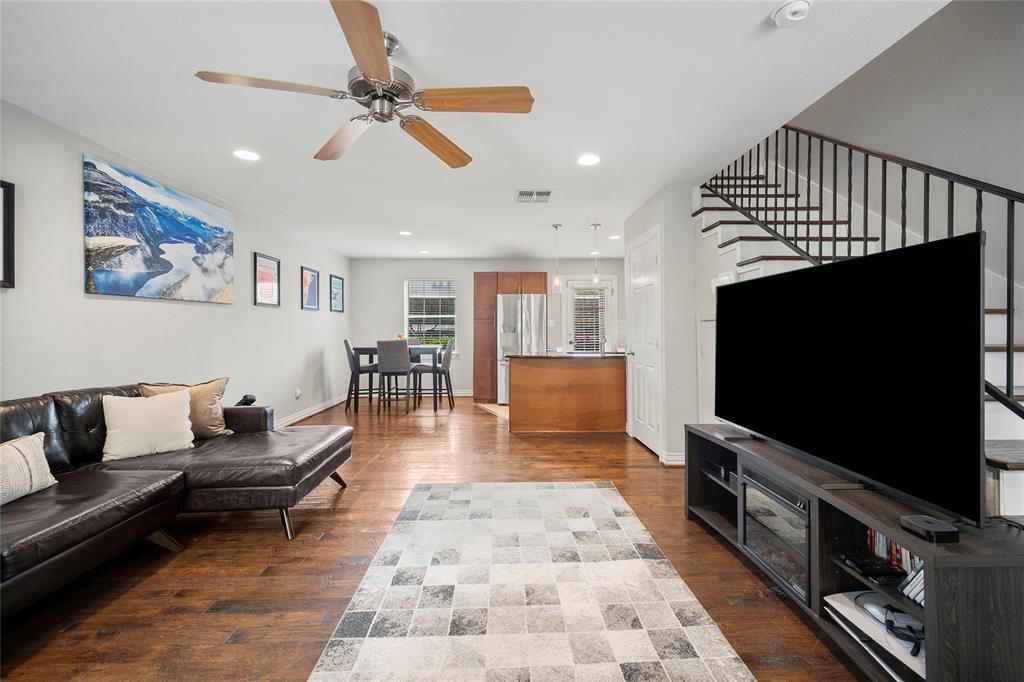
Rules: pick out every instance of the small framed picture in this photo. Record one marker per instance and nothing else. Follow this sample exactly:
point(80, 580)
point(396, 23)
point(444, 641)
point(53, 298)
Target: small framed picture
point(337, 294)
point(7, 243)
point(266, 280)
point(310, 289)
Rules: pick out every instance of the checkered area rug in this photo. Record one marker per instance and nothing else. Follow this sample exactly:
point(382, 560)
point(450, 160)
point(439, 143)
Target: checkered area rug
point(524, 582)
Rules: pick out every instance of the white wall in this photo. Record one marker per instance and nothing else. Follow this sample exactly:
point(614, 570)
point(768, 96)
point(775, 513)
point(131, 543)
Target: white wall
point(54, 336)
point(376, 296)
point(671, 208)
point(950, 94)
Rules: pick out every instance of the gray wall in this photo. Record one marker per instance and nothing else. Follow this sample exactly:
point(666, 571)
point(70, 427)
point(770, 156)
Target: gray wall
point(54, 336)
point(378, 309)
point(949, 94)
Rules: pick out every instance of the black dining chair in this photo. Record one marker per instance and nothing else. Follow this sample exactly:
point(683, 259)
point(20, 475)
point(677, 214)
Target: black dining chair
point(354, 390)
point(392, 363)
point(443, 375)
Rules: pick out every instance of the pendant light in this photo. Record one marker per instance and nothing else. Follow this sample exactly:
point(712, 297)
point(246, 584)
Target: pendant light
point(556, 283)
point(596, 279)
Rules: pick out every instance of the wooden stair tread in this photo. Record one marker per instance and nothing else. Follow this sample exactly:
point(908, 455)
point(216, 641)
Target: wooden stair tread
point(773, 209)
point(996, 311)
point(821, 223)
point(742, 185)
point(759, 259)
point(1001, 348)
point(741, 177)
point(1005, 454)
point(1018, 395)
point(770, 195)
point(769, 238)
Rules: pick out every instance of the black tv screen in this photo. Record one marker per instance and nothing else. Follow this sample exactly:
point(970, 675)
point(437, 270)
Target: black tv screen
point(874, 365)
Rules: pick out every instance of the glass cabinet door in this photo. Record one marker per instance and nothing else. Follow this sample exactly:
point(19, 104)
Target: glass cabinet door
point(776, 530)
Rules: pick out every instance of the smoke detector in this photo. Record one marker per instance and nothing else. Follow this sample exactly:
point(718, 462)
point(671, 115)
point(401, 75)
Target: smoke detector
point(789, 13)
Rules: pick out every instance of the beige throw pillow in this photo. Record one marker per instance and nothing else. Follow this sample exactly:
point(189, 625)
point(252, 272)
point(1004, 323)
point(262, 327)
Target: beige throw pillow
point(146, 426)
point(205, 412)
point(23, 468)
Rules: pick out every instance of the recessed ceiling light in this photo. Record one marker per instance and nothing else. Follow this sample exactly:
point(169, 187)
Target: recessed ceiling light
point(246, 155)
point(613, 237)
point(595, 253)
point(405, 233)
point(424, 253)
point(588, 160)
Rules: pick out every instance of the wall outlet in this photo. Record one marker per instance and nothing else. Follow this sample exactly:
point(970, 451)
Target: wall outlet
point(298, 393)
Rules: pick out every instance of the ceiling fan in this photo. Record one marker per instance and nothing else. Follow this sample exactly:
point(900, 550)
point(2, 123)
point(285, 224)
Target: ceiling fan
point(386, 91)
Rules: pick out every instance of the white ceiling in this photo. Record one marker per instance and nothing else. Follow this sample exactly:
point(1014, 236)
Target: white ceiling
point(663, 91)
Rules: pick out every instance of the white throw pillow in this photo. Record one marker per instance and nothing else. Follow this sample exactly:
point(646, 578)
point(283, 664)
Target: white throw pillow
point(146, 426)
point(23, 468)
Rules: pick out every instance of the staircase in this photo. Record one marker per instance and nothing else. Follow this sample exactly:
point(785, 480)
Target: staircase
point(800, 199)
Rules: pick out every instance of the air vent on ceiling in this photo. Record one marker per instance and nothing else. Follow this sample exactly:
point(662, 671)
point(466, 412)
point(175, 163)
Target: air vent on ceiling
point(533, 196)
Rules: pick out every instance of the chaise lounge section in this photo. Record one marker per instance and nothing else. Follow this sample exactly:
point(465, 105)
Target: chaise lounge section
point(98, 508)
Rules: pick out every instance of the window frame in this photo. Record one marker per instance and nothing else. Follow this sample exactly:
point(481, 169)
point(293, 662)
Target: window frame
point(454, 316)
point(611, 313)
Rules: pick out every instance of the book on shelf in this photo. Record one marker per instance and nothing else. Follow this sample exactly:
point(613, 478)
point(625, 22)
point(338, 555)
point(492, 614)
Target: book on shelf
point(899, 556)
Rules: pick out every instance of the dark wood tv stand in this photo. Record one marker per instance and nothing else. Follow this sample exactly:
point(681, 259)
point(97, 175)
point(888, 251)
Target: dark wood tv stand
point(974, 605)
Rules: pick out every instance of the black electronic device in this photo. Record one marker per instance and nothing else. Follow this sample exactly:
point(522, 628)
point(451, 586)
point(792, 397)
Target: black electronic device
point(247, 399)
point(930, 528)
point(871, 566)
point(867, 415)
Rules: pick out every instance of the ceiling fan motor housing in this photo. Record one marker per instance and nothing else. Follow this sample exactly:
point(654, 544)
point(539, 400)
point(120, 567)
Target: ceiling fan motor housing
point(401, 86)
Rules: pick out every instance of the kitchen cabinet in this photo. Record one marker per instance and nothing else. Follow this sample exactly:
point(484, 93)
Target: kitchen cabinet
point(510, 282)
point(486, 288)
point(485, 292)
point(535, 282)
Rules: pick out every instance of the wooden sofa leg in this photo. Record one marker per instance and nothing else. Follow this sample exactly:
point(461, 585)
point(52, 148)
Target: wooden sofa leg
point(286, 520)
point(338, 479)
point(163, 539)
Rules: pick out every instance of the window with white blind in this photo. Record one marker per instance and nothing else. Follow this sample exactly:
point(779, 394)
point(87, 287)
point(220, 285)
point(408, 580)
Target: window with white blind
point(588, 319)
point(430, 310)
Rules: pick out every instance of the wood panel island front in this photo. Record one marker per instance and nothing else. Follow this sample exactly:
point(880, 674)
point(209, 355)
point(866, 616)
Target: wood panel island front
point(567, 392)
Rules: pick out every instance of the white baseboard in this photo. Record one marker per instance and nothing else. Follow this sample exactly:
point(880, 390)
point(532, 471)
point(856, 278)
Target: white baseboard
point(309, 411)
point(672, 459)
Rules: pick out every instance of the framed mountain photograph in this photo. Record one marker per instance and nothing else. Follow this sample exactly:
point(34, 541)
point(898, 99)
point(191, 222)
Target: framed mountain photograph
point(310, 289)
point(148, 240)
point(337, 294)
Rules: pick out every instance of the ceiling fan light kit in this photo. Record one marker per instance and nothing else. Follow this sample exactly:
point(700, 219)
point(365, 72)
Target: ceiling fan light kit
point(386, 90)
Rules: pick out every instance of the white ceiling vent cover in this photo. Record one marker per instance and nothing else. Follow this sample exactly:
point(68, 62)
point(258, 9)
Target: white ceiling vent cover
point(533, 196)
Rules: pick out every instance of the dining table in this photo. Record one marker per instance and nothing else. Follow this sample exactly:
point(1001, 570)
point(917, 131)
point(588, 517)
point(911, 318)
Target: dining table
point(416, 353)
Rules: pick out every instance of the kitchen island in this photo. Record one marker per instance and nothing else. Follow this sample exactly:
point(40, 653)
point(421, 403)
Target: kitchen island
point(567, 392)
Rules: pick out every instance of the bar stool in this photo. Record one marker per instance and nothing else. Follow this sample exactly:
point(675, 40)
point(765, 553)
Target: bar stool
point(443, 375)
point(354, 391)
point(393, 362)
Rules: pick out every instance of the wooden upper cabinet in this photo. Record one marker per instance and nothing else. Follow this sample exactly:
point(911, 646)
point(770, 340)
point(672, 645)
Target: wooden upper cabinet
point(510, 282)
point(535, 282)
point(485, 291)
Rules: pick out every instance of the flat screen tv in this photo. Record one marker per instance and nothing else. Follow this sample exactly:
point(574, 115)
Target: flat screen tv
point(874, 365)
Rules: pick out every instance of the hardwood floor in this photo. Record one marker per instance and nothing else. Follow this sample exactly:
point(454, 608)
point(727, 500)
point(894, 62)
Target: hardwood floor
point(242, 602)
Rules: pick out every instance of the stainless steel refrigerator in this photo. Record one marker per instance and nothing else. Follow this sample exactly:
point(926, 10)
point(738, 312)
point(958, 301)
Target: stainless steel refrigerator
point(522, 330)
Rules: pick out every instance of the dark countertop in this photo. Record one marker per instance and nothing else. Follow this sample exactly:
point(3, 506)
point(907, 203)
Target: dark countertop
point(570, 356)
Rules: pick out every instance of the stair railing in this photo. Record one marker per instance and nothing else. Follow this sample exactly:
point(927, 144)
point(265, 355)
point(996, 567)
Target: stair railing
point(762, 182)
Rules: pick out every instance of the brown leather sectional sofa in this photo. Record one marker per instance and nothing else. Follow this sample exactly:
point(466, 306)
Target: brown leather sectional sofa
point(98, 508)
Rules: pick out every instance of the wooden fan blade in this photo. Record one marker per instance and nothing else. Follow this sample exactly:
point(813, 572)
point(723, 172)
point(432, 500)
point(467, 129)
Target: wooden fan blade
point(431, 138)
point(360, 22)
point(509, 100)
point(343, 139)
point(249, 81)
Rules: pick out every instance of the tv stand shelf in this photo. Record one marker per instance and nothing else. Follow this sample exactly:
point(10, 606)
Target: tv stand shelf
point(974, 608)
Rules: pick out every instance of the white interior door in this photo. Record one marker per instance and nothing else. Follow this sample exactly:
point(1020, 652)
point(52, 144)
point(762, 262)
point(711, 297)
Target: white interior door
point(706, 369)
point(644, 340)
